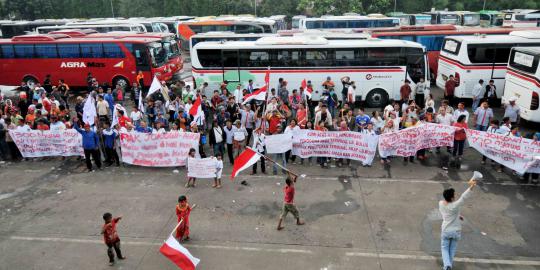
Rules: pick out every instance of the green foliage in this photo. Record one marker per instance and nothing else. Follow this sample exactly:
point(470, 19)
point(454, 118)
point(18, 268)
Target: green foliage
point(42, 9)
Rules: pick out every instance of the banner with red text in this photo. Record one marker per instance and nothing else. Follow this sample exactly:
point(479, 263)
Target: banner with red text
point(37, 143)
point(202, 167)
point(335, 144)
point(169, 149)
point(517, 153)
point(407, 142)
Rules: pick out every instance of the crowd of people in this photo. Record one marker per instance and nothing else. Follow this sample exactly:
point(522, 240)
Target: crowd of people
point(228, 124)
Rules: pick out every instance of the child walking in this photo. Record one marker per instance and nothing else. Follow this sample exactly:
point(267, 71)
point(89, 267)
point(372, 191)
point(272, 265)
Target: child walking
point(191, 180)
point(110, 236)
point(219, 170)
point(182, 212)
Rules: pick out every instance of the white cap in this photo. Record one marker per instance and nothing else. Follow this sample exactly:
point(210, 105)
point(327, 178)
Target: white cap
point(512, 99)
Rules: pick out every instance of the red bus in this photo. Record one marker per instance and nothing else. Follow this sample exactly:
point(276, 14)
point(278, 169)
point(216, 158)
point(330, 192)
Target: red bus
point(432, 37)
point(174, 59)
point(114, 60)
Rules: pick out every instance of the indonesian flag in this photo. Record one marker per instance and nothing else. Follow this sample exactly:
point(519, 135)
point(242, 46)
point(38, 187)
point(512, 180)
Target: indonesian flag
point(261, 93)
point(117, 108)
point(196, 108)
point(306, 90)
point(155, 86)
point(244, 161)
point(257, 95)
point(178, 254)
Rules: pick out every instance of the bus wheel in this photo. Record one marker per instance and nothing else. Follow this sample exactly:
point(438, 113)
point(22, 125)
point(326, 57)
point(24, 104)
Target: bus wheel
point(376, 98)
point(123, 82)
point(30, 81)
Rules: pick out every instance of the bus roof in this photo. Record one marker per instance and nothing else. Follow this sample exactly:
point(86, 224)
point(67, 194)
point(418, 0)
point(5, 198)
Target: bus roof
point(296, 42)
point(323, 18)
point(453, 30)
point(74, 32)
point(61, 38)
point(489, 12)
point(132, 34)
point(226, 34)
point(515, 36)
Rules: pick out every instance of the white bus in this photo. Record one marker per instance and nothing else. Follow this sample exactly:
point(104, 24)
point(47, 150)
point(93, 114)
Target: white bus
point(522, 18)
point(295, 21)
point(102, 28)
point(379, 67)
point(523, 81)
point(334, 22)
point(471, 58)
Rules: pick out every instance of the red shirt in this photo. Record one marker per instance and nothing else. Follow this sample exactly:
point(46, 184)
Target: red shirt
point(302, 119)
point(122, 121)
point(450, 87)
point(405, 91)
point(273, 123)
point(460, 134)
point(289, 194)
point(110, 236)
point(42, 127)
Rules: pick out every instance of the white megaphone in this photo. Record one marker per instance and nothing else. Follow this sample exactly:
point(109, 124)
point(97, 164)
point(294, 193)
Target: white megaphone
point(477, 175)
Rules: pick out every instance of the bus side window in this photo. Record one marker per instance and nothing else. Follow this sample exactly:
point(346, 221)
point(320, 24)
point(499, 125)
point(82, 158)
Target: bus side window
point(46, 51)
point(24, 51)
point(69, 51)
point(111, 50)
point(91, 50)
point(7, 51)
point(481, 53)
point(209, 58)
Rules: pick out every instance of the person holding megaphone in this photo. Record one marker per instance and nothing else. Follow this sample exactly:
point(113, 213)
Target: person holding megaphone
point(450, 209)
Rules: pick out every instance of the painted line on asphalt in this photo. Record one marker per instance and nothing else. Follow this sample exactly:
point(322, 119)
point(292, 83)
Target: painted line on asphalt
point(289, 250)
point(433, 258)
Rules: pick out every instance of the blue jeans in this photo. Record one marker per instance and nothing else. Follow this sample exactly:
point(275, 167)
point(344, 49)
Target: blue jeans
point(449, 241)
point(219, 148)
point(278, 158)
point(475, 104)
point(481, 128)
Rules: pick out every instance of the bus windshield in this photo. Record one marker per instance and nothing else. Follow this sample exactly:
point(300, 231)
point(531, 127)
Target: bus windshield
point(171, 48)
point(524, 62)
point(157, 53)
point(422, 20)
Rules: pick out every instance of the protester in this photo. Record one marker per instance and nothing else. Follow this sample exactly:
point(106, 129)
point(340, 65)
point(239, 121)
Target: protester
point(288, 201)
point(483, 116)
point(183, 210)
point(219, 170)
point(459, 136)
point(450, 210)
point(111, 238)
point(90, 143)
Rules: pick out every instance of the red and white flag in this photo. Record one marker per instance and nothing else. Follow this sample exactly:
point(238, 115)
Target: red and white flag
point(178, 254)
point(307, 90)
point(256, 95)
point(244, 161)
point(196, 108)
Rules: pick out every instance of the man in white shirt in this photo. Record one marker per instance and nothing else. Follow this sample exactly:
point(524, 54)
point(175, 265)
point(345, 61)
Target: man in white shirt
point(135, 116)
point(444, 118)
point(103, 109)
point(238, 94)
point(450, 210)
point(461, 111)
point(56, 125)
point(482, 116)
point(511, 110)
point(478, 93)
point(259, 146)
point(247, 117)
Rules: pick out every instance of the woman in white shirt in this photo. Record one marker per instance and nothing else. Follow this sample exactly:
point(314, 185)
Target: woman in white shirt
point(239, 137)
point(290, 129)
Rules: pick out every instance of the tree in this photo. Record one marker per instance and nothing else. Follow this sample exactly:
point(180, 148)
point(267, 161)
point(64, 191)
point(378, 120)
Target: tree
point(281, 7)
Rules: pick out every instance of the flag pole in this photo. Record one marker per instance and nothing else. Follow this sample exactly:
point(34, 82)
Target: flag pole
point(273, 161)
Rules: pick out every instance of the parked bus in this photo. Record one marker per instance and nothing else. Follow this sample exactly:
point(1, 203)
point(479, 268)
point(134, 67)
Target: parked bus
point(432, 37)
point(467, 18)
point(102, 28)
point(443, 17)
point(523, 81)
point(491, 18)
point(150, 25)
point(186, 29)
point(378, 66)
point(295, 21)
point(470, 58)
point(411, 19)
point(522, 18)
point(175, 63)
point(351, 22)
point(17, 28)
point(114, 60)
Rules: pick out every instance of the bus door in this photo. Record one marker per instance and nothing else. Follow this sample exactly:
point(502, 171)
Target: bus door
point(498, 71)
point(230, 67)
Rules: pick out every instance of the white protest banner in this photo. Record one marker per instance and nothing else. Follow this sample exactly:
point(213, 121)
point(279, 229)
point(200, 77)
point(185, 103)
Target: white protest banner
point(279, 143)
point(407, 142)
point(36, 143)
point(516, 153)
point(169, 149)
point(336, 144)
point(202, 167)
